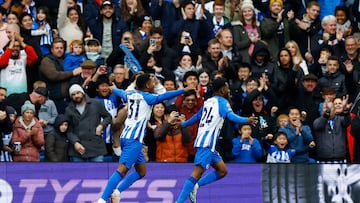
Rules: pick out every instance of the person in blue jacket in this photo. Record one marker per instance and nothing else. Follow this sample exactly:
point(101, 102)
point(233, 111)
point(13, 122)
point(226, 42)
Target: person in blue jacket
point(299, 136)
point(246, 149)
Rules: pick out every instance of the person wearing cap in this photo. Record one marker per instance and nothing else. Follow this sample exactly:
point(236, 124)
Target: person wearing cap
point(140, 104)
point(70, 23)
point(87, 119)
point(29, 133)
point(88, 69)
point(105, 26)
point(275, 28)
point(142, 33)
point(13, 64)
point(213, 114)
point(37, 97)
point(308, 98)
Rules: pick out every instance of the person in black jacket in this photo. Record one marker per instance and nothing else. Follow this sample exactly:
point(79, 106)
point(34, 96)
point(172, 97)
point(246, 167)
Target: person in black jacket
point(56, 142)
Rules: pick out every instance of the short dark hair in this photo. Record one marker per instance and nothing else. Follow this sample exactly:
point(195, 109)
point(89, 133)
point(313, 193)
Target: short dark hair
point(190, 73)
point(156, 30)
point(142, 80)
point(244, 65)
point(2, 10)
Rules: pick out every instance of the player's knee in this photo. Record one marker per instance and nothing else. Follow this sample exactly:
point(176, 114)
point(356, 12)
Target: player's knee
point(222, 173)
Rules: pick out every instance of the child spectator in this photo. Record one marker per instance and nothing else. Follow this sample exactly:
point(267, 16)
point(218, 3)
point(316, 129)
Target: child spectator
point(282, 120)
point(279, 153)
point(42, 24)
point(76, 56)
point(328, 94)
point(5, 154)
point(93, 50)
point(333, 77)
point(246, 149)
point(330, 133)
point(343, 22)
point(56, 142)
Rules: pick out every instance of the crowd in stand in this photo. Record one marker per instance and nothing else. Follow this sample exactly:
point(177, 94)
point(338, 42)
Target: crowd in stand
point(294, 64)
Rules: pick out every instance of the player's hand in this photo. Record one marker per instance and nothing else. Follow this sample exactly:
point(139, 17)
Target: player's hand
point(253, 120)
point(189, 88)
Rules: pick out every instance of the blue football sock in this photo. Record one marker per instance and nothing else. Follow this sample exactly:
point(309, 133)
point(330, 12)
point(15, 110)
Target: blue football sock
point(188, 187)
point(209, 178)
point(111, 185)
point(129, 180)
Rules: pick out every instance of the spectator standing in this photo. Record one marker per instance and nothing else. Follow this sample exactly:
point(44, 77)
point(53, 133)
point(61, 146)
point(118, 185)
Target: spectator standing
point(132, 12)
point(142, 33)
point(105, 27)
point(56, 142)
point(88, 69)
point(355, 129)
point(333, 77)
point(14, 63)
point(275, 27)
point(7, 150)
point(28, 135)
point(70, 23)
point(47, 111)
point(303, 28)
point(299, 137)
point(330, 133)
point(37, 97)
point(4, 39)
point(171, 141)
point(87, 119)
point(53, 74)
point(163, 55)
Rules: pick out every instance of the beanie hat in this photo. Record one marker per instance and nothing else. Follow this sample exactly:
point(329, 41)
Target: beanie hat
point(75, 88)
point(279, 1)
point(247, 4)
point(27, 106)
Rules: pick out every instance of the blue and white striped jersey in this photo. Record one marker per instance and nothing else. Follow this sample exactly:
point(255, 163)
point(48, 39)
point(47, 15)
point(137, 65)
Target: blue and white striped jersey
point(139, 111)
point(211, 117)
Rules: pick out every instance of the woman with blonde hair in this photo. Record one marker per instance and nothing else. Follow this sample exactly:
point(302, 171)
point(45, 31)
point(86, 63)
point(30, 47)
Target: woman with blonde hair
point(296, 56)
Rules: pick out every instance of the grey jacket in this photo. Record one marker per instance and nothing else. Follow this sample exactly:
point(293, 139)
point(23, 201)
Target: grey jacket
point(83, 128)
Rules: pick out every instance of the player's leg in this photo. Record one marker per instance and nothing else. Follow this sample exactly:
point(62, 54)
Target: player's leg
point(113, 181)
point(140, 167)
point(220, 171)
point(202, 160)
